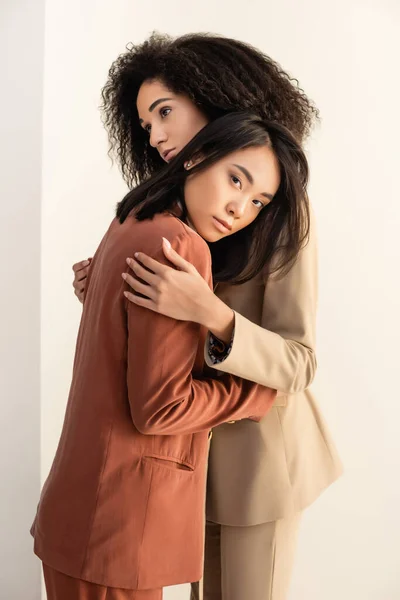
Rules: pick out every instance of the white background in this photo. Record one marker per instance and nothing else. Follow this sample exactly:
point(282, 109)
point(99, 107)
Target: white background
point(346, 57)
point(21, 103)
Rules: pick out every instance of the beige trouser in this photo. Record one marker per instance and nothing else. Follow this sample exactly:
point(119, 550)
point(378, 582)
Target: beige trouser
point(248, 563)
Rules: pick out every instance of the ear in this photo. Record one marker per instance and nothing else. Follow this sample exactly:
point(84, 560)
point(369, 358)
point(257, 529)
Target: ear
point(197, 159)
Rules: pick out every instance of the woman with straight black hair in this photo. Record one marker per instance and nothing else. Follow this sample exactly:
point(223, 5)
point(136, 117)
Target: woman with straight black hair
point(122, 511)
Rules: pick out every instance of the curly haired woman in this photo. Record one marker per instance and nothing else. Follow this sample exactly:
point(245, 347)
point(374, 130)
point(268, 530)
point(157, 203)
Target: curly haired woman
point(262, 476)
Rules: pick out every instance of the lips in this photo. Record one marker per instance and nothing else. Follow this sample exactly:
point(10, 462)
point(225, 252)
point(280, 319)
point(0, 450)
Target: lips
point(224, 224)
point(168, 154)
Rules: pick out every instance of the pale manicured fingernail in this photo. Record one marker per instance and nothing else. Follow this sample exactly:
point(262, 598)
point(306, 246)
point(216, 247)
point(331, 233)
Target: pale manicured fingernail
point(167, 243)
point(123, 275)
point(129, 261)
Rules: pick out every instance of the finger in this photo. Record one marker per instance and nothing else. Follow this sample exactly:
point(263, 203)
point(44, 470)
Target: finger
point(81, 265)
point(79, 283)
point(139, 301)
point(152, 264)
point(140, 288)
point(134, 283)
point(176, 258)
point(81, 275)
point(79, 295)
point(143, 273)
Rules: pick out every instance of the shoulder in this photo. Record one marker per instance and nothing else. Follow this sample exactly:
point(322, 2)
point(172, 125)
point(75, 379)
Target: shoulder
point(170, 226)
point(148, 234)
point(191, 238)
point(305, 266)
point(189, 244)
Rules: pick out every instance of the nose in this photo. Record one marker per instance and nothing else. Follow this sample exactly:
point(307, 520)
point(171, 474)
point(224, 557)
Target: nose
point(236, 208)
point(157, 136)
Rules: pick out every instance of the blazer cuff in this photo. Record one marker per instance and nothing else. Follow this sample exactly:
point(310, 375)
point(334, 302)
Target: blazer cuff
point(247, 353)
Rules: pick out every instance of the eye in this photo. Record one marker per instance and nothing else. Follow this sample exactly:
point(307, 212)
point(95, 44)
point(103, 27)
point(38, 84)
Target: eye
point(258, 203)
point(164, 112)
point(237, 182)
point(147, 128)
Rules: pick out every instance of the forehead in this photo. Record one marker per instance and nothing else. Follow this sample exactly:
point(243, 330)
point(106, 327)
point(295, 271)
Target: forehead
point(150, 91)
point(153, 86)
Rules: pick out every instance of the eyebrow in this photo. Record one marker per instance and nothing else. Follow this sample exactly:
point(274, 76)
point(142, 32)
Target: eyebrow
point(155, 104)
point(250, 179)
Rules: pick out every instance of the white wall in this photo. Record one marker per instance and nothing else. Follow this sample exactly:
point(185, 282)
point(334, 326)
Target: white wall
point(345, 57)
point(21, 67)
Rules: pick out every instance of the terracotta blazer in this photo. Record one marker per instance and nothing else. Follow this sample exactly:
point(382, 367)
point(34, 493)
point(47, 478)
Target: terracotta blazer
point(124, 503)
point(260, 472)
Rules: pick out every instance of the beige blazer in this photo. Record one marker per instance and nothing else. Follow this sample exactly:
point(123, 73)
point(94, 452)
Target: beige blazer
point(260, 472)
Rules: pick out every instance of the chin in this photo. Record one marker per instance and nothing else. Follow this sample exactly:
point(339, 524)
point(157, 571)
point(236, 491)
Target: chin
point(212, 237)
point(209, 234)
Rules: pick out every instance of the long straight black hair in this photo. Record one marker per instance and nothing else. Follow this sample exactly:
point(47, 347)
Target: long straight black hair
point(272, 242)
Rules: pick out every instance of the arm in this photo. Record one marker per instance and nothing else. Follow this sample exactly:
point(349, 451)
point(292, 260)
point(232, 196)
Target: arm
point(281, 352)
point(164, 396)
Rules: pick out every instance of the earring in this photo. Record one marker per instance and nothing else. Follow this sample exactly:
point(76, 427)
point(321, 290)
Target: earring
point(188, 164)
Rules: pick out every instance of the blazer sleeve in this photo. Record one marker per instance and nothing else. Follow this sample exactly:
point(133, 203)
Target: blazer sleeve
point(281, 352)
point(164, 396)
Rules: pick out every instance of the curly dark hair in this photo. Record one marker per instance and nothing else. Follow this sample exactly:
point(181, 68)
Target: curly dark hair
point(219, 74)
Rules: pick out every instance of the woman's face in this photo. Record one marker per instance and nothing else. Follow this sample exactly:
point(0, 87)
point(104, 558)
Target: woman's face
point(171, 120)
point(229, 195)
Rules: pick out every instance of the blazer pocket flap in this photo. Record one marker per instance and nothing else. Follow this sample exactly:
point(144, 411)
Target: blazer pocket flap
point(169, 462)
